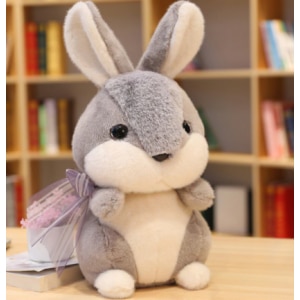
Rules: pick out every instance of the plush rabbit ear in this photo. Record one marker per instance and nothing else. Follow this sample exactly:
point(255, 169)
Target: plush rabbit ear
point(176, 40)
point(92, 45)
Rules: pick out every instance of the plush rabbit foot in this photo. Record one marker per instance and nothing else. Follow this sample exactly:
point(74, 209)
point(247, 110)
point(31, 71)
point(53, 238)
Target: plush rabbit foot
point(115, 284)
point(194, 276)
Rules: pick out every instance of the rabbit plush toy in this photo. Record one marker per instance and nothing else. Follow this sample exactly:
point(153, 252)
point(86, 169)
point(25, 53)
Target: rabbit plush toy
point(141, 141)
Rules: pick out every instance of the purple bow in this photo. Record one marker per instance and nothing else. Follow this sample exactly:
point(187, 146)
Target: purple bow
point(63, 204)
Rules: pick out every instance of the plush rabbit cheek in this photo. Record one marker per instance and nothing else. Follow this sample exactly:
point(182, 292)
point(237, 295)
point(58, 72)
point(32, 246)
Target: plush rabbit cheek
point(122, 165)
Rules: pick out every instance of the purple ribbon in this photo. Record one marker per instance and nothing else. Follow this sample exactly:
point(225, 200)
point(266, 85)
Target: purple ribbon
point(70, 197)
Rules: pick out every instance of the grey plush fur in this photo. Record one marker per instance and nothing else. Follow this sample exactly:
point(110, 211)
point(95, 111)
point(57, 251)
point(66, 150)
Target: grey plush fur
point(156, 52)
point(100, 248)
point(153, 108)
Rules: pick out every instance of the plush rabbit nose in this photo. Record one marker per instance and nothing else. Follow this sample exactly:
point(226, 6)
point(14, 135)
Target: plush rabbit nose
point(161, 157)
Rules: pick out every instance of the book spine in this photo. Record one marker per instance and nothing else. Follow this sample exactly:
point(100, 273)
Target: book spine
point(267, 45)
point(269, 128)
point(31, 48)
point(288, 112)
point(51, 128)
point(42, 48)
point(19, 201)
point(55, 49)
point(281, 38)
point(42, 126)
point(274, 45)
point(284, 211)
point(281, 134)
point(64, 124)
point(269, 208)
point(33, 126)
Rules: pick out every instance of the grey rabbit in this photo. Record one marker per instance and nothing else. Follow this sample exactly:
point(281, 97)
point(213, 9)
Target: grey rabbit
point(142, 143)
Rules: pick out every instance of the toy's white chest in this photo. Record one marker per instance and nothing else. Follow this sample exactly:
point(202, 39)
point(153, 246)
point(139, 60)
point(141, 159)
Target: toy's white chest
point(154, 226)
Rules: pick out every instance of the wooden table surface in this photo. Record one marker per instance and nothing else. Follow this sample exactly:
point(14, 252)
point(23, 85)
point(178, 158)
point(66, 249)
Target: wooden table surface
point(242, 268)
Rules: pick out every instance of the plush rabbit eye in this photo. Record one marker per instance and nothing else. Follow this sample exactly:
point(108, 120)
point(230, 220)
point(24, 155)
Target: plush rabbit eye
point(186, 126)
point(119, 131)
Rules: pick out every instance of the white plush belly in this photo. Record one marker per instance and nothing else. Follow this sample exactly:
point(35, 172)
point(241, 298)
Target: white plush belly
point(154, 226)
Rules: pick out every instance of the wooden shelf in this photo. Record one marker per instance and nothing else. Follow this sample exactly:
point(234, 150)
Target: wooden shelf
point(49, 156)
point(287, 163)
point(11, 79)
point(275, 73)
point(68, 2)
point(231, 158)
point(65, 78)
point(215, 74)
point(12, 156)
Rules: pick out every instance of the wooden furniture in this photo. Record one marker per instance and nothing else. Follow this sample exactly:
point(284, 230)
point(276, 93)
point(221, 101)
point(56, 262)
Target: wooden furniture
point(241, 268)
point(231, 85)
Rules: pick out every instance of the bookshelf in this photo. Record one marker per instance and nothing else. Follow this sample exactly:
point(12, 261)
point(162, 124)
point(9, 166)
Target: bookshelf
point(233, 81)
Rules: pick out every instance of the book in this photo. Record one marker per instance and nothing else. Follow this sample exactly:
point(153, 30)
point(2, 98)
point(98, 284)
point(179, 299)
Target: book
point(232, 210)
point(54, 48)
point(276, 140)
point(284, 211)
point(279, 210)
point(266, 40)
point(64, 117)
point(42, 121)
point(282, 40)
point(51, 145)
point(42, 54)
point(209, 134)
point(288, 113)
point(14, 200)
point(33, 125)
point(31, 48)
point(44, 280)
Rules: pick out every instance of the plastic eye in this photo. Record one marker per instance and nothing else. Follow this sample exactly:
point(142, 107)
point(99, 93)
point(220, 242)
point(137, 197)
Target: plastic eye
point(119, 131)
point(186, 126)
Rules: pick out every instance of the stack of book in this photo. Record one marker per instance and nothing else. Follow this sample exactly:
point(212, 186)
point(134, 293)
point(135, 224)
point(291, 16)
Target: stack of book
point(278, 127)
point(278, 43)
point(45, 52)
point(50, 125)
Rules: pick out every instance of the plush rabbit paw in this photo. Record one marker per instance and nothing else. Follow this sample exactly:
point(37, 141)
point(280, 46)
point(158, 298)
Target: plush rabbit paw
point(115, 284)
point(194, 276)
point(199, 195)
point(107, 203)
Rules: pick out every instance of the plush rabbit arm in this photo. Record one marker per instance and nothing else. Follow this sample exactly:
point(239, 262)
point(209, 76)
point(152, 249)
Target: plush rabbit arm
point(92, 45)
point(106, 203)
point(176, 40)
point(199, 195)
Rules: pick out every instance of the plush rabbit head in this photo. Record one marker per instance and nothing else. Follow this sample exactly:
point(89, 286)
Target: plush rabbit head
point(141, 132)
